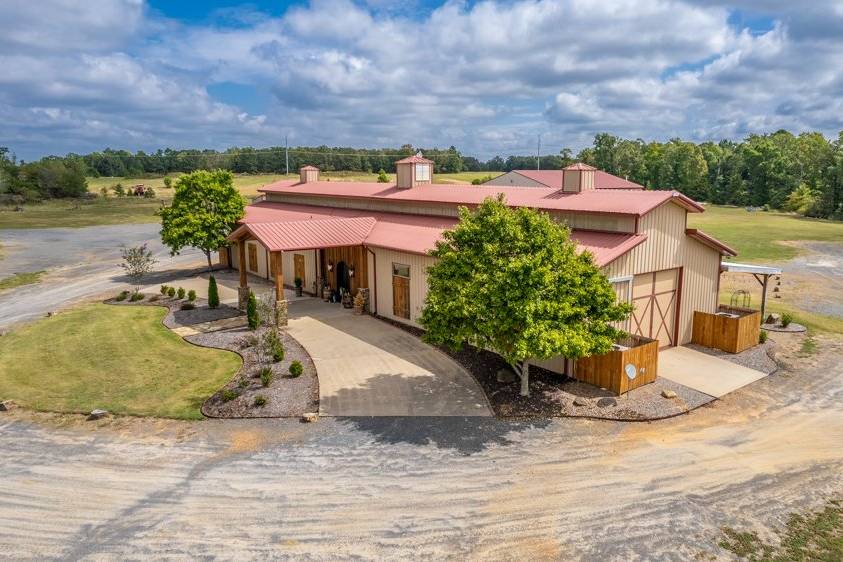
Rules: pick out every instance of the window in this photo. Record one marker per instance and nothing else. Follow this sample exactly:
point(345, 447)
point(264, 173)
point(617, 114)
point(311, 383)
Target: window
point(422, 172)
point(400, 270)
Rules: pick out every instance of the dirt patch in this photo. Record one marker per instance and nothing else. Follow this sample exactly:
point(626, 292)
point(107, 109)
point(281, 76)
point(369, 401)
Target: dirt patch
point(285, 396)
point(553, 395)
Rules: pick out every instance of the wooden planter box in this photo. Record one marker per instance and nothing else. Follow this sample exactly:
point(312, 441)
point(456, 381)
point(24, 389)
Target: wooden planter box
point(608, 370)
point(731, 329)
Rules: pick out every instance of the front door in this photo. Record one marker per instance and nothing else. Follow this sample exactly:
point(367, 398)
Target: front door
point(298, 266)
point(342, 277)
point(654, 298)
point(401, 290)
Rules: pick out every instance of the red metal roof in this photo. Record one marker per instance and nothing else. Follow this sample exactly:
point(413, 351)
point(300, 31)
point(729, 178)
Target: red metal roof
point(602, 180)
point(710, 241)
point(283, 226)
point(625, 202)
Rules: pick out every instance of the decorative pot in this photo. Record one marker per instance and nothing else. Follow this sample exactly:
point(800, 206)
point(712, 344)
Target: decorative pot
point(298, 291)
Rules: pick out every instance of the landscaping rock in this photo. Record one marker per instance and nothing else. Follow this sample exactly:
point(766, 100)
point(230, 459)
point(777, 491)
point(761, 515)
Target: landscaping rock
point(580, 401)
point(773, 319)
point(97, 414)
point(607, 402)
point(7, 405)
point(309, 417)
point(666, 393)
point(506, 376)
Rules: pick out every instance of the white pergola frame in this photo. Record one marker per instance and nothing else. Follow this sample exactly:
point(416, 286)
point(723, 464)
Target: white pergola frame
point(762, 274)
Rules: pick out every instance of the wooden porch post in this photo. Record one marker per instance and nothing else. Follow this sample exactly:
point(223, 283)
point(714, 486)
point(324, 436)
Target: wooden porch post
point(243, 290)
point(280, 302)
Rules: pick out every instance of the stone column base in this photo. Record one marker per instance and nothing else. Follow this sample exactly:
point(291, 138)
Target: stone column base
point(281, 313)
point(242, 297)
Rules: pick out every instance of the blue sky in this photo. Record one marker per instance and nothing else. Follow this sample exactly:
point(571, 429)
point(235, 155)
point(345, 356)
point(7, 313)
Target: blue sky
point(487, 77)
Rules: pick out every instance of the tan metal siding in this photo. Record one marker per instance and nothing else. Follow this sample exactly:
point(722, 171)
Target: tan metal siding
point(667, 246)
point(514, 179)
point(418, 281)
point(289, 269)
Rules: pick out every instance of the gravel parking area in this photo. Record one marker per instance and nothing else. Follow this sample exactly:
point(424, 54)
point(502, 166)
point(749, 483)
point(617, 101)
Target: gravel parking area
point(553, 395)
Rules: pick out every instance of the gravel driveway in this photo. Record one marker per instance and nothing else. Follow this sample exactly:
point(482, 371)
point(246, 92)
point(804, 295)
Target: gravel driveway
point(424, 488)
point(81, 263)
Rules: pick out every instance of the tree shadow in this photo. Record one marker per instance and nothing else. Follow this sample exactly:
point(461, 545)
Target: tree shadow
point(446, 412)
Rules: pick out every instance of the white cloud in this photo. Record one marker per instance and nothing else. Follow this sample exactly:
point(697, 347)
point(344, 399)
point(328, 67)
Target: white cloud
point(487, 77)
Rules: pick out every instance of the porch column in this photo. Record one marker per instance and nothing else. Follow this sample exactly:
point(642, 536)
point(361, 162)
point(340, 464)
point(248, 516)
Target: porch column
point(280, 302)
point(243, 289)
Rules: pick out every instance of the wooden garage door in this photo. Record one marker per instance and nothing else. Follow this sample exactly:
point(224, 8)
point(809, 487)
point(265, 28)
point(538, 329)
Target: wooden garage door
point(654, 298)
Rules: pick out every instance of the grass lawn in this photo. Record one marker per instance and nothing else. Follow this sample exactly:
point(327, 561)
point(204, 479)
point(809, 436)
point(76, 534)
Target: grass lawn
point(72, 213)
point(19, 279)
point(758, 236)
point(120, 358)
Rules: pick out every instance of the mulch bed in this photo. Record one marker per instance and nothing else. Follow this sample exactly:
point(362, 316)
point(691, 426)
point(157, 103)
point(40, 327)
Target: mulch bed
point(286, 396)
point(553, 395)
point(792, 328)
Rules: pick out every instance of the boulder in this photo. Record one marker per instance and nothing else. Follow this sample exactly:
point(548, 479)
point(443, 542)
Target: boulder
point(772, 319)
point(309, 417)
point(97, 414)
point(506, 376)
point(6, 405)
point(668, 393)
point(580, 401)
point(607, 402)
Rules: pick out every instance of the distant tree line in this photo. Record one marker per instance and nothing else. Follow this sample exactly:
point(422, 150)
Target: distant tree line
point(801, 173)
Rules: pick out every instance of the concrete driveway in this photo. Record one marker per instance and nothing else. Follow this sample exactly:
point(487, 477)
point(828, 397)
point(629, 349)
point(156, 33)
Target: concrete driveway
point(368, 368)
point(706, 373)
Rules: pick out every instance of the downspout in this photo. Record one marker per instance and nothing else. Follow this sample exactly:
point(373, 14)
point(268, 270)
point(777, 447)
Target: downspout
point(374, 281)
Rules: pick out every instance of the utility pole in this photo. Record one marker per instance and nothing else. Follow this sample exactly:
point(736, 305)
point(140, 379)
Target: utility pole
point(539, 154)
point(287, 155)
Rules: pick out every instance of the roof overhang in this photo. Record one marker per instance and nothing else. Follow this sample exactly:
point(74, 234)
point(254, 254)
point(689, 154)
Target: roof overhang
point(306, 234)
point(710, 241)
point(749, 268)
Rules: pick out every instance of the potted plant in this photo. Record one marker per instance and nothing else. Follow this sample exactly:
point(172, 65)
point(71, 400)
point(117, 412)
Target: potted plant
point(359, 303)
point(298, 282)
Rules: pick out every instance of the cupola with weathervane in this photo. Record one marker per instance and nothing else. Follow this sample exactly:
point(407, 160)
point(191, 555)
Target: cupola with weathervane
point(413, 171)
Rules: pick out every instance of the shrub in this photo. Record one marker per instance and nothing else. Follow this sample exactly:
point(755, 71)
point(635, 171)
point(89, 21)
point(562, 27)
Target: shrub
point(164, 289)
point(118, 189)
point(244, 382)
point(296, 369)
point(266, 376)
point(104, 192)
point(191, 295)
point(137, 296)
point(260, 401)
point(278, 352)
point(168, 182)
point(382, 177)
point(187, 306)
point(171, 292)
point(149, 193)
point(252, 312)
point(787, 318)
point(181, 293)
point(297, 282)
point(122, 296)
point(762, 336)
point(213, 293)
point(228, 395)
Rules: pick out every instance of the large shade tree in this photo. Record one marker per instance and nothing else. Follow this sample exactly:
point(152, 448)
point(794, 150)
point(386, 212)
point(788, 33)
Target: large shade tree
point(205, 208)
point(512, 281)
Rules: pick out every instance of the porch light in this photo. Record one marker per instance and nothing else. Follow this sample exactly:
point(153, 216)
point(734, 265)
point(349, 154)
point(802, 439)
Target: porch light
point(330, 265)
point(351, 271)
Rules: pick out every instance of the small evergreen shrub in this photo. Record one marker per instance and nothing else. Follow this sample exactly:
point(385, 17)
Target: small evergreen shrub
point(180, 293)
point(382, 177)
point(213, 293)
point(762, 336)
point(228, 395)
point(168, 182)
point(164, 289)
point(787, 318)
point(136, 297)
point(122, 296)
point(244, 382)
point(260, 401)
point(296, 369)
point(266, 376)
point(171, 292)
point(191, 295)
point(252, 312)
point(278, 352)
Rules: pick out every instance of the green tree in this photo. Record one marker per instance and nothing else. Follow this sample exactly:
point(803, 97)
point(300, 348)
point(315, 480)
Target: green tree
point(382, 177)
point(137, 262)
point(213, 293)
point(512, 281)
point(205, 208)
point(252, 315)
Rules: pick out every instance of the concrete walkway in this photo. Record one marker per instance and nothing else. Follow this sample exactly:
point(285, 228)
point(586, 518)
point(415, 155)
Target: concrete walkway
point(368, 368)
point(705, 373)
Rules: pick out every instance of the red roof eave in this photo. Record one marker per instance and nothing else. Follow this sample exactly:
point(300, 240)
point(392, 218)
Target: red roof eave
point(710, 241)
